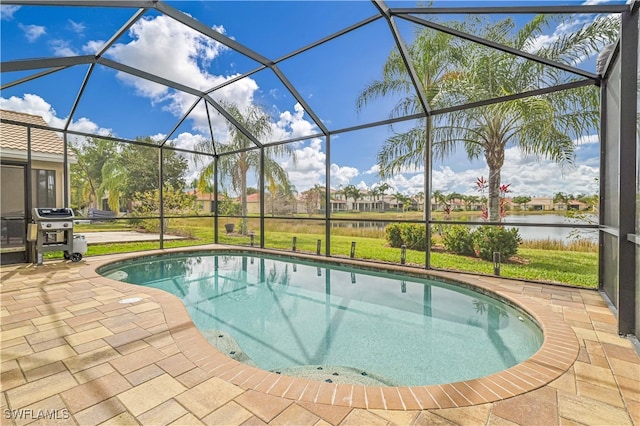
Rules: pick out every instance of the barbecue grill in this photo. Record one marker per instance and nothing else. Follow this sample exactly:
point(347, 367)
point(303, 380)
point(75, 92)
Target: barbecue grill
point(55, 232)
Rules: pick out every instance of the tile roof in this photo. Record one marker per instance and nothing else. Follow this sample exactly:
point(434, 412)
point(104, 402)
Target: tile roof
point(15, 137)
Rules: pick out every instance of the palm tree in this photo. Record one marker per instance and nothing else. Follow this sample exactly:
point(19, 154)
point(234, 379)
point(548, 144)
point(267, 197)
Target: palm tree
point(236, 166)
point(467, 72)
point(353, 192)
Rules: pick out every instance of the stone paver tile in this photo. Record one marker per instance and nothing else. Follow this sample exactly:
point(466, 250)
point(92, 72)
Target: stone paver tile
point(51, 318)
point(533, 408)
point(14, 333)
point(294, 415)
point(397, 417)
point(90, 393)
point(14, 352)
point(208, 396)
point(150, 394)
point(46, 357)
point(614, 339)
point(609, 396)
point(593, 374)
point(143, 374)
point(359, 417)
point(495, 420)
point(630, 389)
point(100, 412)
point(427, 418)
point(193, 377)
point(331, 414)
point(131, 347)
point(634, 411)
point(44, 371)
point(142, 307)
point(187, 420)
point(11, 376)
point(163, 414)
point(588, 411)
point(122, 419)
point(93, 373)
point(128, 336)
point(81, 306)
point(264, 406)
point(622, 353)
point(31, 392)
point(96, 333)
point(229, 414)
point(627, 369)
point(136, 360)
point(90, 359)
point(50, 411)
point(176, 365)
point(466, 415)
point(254, 421)
point(566, 382)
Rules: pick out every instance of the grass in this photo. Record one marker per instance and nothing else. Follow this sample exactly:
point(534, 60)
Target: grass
point(573, 263)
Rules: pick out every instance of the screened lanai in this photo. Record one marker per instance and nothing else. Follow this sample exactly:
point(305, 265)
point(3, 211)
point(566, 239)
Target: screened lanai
point(388, 132)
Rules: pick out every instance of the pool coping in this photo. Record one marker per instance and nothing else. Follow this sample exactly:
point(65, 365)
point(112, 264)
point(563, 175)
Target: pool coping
point(557, 354)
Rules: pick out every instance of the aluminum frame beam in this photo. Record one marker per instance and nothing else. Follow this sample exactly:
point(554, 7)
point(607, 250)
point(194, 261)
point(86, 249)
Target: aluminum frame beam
point(85, 3)
point(500, 47)
point(510, 10)
point(404, 53)
point(627, 278)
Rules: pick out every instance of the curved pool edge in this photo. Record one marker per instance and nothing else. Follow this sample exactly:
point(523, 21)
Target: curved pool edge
point(557, 354)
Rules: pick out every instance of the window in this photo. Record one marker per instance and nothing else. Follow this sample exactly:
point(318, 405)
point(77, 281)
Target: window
point(44, 188)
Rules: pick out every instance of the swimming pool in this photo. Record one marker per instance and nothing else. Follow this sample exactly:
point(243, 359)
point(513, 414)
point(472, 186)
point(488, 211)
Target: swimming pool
point(295, 317)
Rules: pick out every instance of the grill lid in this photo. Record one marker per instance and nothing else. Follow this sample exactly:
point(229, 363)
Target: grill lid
point(50, 213)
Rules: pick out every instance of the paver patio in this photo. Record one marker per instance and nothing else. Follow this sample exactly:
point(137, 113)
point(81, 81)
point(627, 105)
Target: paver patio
point(70, 350)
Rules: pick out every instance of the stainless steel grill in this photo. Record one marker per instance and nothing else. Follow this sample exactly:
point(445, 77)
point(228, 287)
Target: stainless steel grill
point(55, 232)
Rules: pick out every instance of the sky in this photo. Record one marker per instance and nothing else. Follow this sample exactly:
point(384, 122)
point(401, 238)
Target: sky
point(328, 78)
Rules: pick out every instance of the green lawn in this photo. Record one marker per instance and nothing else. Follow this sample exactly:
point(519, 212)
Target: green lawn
point(560, 266)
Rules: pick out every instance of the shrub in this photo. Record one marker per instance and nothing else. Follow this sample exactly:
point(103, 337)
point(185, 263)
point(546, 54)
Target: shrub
point(489, 239)
point(414, 236)
point(459, 240)
point(393, 234)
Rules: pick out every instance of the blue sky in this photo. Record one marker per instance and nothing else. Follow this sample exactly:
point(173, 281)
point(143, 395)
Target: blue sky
point(328, 78)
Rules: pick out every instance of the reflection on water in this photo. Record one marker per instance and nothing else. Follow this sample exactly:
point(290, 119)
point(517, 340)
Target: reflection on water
point(282, 314)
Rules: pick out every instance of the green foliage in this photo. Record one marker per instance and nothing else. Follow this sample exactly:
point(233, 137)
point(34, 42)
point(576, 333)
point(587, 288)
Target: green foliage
point(147, 203)
point(458, 239)
point(393, 234)
point(228, 207)
point(489, 239)
point(412, 235)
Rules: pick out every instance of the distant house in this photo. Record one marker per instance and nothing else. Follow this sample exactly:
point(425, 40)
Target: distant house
point(205, 201)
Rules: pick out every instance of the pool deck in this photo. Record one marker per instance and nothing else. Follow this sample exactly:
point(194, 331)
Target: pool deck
point(70, 350)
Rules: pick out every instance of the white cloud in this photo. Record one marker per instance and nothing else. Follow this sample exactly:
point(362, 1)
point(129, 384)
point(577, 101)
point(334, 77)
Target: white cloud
point(62, 48)
point(35, 105)
point(92, 47)
point(163, 46)
point(374, 170)
point(309, 168)
point(77, 27)
point(342, 175)
point(292, 125)
point(7, 12)
point(362, 186)
point(33, 32)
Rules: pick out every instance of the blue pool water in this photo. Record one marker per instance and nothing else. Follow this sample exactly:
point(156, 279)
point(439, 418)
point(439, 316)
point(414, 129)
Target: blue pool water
point(296, 317)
